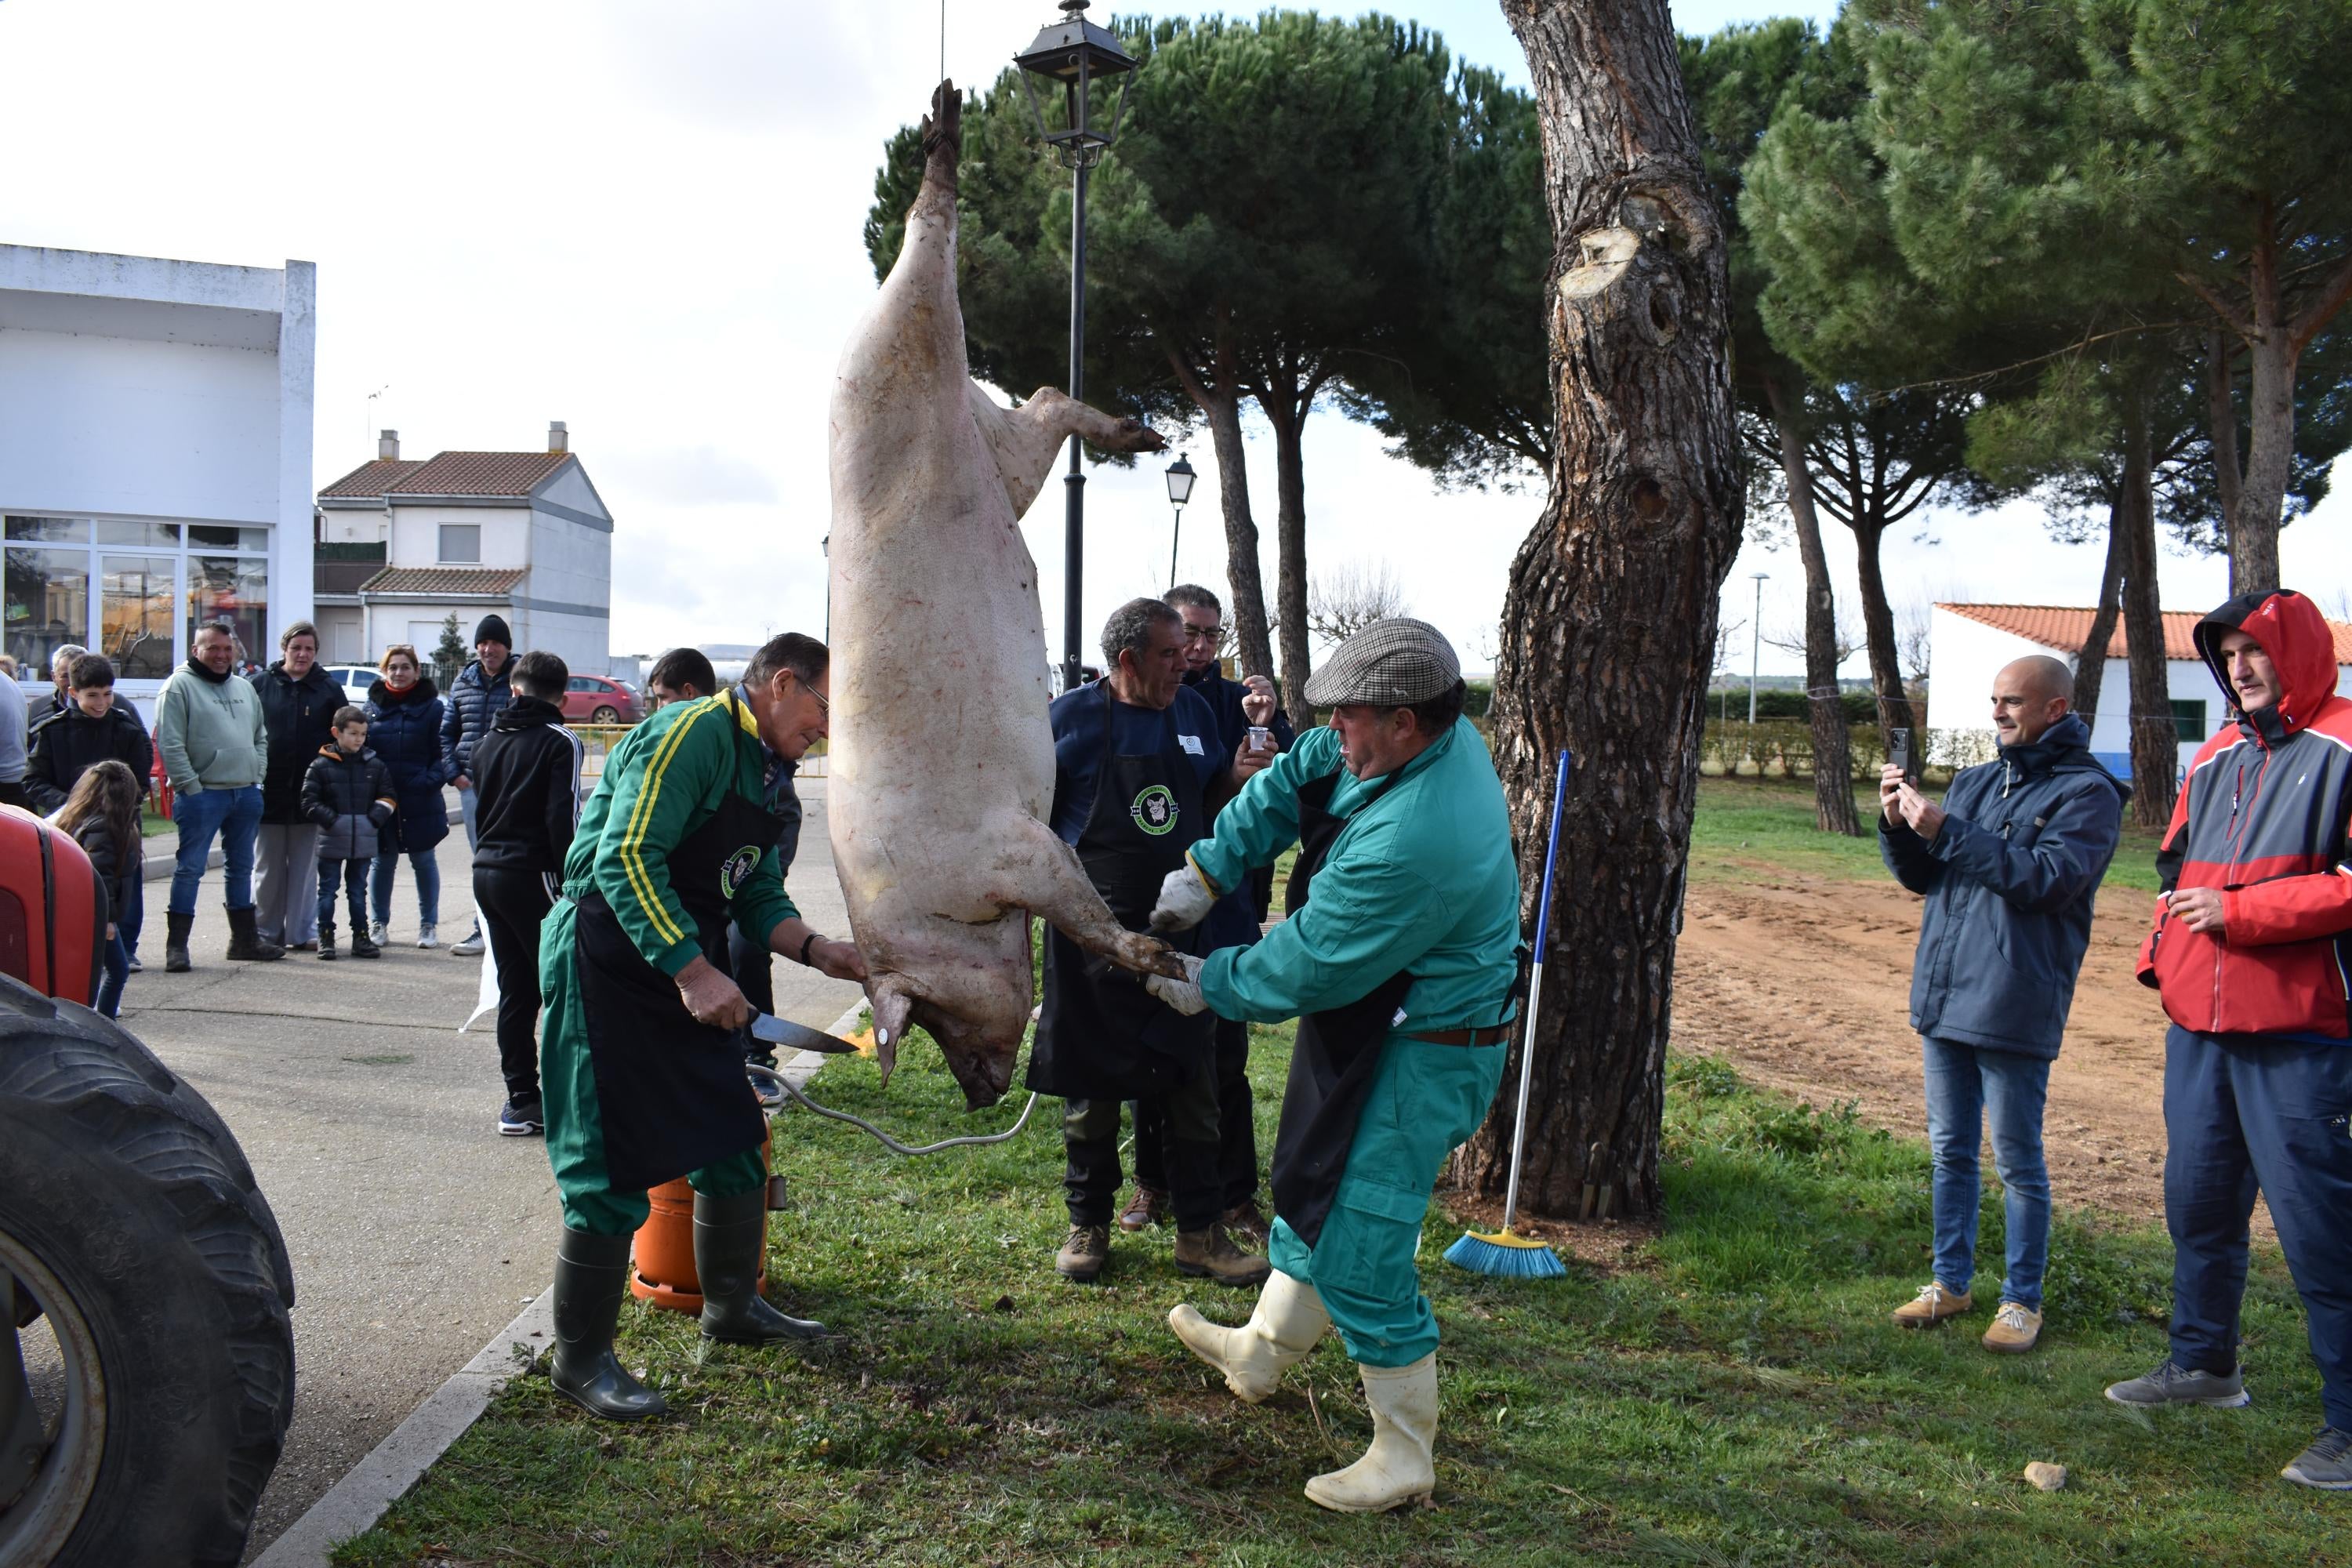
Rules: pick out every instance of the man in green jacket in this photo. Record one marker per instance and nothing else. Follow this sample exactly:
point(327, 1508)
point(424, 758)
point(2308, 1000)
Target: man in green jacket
point(1398, 958)
point(208, 725)
point(642, 1080)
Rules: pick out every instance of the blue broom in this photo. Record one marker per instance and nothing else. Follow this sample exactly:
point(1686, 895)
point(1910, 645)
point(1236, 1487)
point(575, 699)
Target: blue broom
point(1506, 1254)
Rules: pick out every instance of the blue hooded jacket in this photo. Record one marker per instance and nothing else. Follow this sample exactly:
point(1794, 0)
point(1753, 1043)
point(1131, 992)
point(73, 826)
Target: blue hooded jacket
point(2010, 880)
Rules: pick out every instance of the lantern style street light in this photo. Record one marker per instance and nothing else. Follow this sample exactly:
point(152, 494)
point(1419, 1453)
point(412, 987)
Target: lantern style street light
point(1180, 491)
point(1073, 54)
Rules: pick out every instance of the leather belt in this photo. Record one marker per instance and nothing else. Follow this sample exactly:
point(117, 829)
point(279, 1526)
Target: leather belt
point(1495, 1035)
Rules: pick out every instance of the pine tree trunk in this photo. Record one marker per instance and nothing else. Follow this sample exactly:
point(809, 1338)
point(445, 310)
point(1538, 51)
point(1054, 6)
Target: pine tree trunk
point(1894, 711)
point(2091, 664)
point(2254, 526)
point(1832, 744)
point(1608, 623)
point(1287, 414)
point(2155, 739)
point(1219, 401)
point(2222, 429)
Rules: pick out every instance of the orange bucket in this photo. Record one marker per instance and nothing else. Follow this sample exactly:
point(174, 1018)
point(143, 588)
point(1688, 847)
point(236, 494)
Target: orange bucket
point(663, 1271)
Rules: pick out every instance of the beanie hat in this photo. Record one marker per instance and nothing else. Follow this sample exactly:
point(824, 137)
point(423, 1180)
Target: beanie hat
point(494, 629)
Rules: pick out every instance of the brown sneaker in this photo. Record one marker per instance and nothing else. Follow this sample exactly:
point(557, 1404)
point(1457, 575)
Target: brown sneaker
point(2014, 1328)
point(1212, 1254)
point(1147, 1208)
point(1083, 1253)
point(1935, 1302)
point(1247, 1220)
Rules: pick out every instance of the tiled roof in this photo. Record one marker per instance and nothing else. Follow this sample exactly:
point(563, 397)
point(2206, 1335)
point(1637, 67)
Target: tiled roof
point(372, 478)
point(2062, 628)
point(450, 474)
point(489, 582)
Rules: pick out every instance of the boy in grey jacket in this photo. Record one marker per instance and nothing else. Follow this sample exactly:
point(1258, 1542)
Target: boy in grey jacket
point(2010, 864)
point(348, 792)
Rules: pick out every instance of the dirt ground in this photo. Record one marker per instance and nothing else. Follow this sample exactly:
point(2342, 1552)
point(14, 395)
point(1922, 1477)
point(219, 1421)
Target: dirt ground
point(1804, 984)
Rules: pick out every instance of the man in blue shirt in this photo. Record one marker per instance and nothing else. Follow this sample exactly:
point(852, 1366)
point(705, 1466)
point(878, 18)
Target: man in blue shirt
point(1140, 768)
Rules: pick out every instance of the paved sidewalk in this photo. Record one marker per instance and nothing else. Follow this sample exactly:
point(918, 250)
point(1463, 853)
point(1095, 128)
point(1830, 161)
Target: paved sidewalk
point(417, 1232)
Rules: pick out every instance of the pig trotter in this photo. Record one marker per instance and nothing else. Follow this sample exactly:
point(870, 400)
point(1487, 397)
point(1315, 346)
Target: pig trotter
point(943, 134)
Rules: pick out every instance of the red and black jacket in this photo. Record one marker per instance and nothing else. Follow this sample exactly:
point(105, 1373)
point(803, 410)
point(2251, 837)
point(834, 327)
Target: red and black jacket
point(2262, 817)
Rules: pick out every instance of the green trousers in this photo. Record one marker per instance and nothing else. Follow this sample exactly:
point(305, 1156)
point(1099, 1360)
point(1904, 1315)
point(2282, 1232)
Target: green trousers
point(575, 1121)
point(1424, 1100)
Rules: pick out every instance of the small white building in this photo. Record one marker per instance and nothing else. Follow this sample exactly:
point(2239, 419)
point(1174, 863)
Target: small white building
point(1970, 643)
point(154, 456)
point(406, 543)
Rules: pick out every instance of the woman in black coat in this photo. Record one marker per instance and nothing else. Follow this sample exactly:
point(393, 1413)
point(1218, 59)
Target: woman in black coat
point(404, 711)
point(297, 715)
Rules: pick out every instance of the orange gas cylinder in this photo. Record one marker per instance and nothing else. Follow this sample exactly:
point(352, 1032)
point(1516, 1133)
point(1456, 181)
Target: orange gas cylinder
point(663, 1271)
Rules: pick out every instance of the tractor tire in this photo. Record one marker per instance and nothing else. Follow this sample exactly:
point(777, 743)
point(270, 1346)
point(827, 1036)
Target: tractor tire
point(130, 1217)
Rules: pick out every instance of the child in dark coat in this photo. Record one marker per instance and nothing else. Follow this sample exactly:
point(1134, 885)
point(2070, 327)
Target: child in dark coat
point(348, 792)
point(102, 815)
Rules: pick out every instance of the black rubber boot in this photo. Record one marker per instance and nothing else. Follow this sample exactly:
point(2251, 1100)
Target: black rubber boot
point(175, 943)
point(731, 1236)
point(245, 938)
point(592, 1280)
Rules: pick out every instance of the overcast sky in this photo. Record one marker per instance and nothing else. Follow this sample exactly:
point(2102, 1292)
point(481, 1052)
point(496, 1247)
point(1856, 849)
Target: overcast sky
point(643, 218)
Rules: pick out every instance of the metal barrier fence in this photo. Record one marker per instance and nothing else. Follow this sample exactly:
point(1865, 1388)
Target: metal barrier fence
point(597, 739)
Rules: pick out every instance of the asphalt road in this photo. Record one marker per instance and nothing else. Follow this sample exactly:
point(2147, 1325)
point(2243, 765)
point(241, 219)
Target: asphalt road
point(416, 1231)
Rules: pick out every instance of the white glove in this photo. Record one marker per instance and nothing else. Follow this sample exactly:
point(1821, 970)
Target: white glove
point(1185, 898)
point(1185, 994)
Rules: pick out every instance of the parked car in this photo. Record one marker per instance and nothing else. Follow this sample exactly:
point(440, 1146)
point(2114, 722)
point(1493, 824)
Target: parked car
point(601, 700)
point(354, 679)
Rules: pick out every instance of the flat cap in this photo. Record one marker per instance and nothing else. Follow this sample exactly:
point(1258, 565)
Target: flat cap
point(1390, 664)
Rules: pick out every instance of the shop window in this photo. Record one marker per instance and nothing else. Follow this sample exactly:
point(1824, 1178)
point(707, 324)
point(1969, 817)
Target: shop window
point(223, 591)
point(134, 614)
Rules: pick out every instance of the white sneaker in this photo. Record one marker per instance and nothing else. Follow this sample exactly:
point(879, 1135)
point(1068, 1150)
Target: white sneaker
point(425, 937)
point(377, 933)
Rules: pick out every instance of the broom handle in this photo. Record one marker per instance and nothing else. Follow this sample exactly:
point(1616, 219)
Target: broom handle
point(1535, 991)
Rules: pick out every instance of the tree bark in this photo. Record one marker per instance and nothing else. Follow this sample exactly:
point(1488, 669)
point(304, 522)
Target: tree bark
point(2091, 664)
point(2155, 739)
point(1832, 744)
point(1286, 407)
point(1218, 398)
point(2222, 429)
point(1609, 622)
point(1895, 710)
point(2270, 355)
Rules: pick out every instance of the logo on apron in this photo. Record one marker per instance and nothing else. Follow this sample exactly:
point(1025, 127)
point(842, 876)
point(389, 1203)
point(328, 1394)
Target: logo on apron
point(738, 870)
point(1154, 810)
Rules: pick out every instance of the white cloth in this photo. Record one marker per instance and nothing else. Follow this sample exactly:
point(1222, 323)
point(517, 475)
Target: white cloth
point(486, 1000)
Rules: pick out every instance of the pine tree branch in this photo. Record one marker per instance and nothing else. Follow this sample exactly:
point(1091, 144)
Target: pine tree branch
point(2238, 322)
point(2317, 315)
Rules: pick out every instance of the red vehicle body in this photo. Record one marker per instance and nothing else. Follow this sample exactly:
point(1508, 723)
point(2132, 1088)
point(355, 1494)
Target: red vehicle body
point(52, 912)
point(601, 700)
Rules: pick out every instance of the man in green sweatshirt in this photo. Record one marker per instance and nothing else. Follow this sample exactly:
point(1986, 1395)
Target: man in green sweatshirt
point(208, 726)
point(1397, 959)
point(641, 1076)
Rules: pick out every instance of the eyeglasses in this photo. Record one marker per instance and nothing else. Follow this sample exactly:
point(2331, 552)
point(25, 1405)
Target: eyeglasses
point(1203, 634)
point(824, 705)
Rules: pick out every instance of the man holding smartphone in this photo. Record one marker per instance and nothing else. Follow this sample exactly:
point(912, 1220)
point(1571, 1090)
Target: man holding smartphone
point(2010, 864)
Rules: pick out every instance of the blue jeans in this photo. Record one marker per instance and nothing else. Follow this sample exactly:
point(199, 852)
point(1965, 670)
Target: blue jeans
point(117, 971)
point(235, 814)
point(130, 917)
point(1966, 1086)
point(429, 884)
point(2240, 1112)
point(352, 875)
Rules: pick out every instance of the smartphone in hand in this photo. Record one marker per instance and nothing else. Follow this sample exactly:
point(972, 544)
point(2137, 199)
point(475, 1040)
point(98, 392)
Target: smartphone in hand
point(1898, 750)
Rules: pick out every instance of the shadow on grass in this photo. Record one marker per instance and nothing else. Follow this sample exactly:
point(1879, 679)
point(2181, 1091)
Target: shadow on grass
point(1733, 1393)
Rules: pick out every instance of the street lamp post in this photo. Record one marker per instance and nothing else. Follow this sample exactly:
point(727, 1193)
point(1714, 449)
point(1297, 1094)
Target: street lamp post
point(1074, 54)
point(1756, 645)
point(1180, 491)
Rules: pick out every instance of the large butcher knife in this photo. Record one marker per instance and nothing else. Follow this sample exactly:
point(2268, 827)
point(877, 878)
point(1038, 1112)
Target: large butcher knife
point(769, 1029)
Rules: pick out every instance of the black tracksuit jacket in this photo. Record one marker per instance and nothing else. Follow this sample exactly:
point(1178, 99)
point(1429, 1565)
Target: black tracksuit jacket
point(526, 775)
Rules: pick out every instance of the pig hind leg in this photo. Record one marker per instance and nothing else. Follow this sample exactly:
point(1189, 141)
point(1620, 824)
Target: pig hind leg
point(1024, 440)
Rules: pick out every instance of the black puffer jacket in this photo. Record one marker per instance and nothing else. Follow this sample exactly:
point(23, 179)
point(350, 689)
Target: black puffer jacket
point(299, 717)
point(349, 795)
point(66, 745)
point(118, 866)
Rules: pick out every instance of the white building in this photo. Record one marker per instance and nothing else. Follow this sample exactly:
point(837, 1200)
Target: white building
point(1970, 643)
point(404, 544)
point(154, 456)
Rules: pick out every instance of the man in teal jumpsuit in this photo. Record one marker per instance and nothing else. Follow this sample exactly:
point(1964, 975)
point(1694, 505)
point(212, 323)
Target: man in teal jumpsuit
point(1398, 958)
point(643, 1081)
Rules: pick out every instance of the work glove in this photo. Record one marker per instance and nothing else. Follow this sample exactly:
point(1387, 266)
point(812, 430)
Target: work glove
point(1185, 896)
point(1185, 994)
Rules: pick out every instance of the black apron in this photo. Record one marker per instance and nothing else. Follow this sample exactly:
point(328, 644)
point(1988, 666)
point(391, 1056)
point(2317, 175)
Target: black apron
point(671, 1090)
point(1100, 1035)
point(1338, 1050)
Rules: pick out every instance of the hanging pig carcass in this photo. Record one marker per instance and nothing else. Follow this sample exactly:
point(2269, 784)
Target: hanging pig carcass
point(941, 768)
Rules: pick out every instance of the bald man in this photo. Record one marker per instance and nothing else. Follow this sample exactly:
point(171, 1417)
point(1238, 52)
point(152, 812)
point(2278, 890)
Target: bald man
point(2010, 864)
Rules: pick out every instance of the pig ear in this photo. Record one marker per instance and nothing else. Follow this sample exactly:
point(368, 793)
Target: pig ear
point(894, 1000)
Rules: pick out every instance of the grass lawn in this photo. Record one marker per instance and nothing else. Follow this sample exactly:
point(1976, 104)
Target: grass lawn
point(1750, 830)
point(1726, 1392)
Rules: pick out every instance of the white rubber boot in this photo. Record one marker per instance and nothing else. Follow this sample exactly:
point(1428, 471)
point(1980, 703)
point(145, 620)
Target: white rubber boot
point(1397, 1468)
point(1289, 1318)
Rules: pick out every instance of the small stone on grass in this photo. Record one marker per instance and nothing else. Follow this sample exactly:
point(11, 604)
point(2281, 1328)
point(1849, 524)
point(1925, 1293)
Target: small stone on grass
point(2046, 1478)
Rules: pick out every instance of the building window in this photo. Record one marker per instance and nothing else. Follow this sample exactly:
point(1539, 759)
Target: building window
point(2188, 717)
point(133, 590)
point(461, 543)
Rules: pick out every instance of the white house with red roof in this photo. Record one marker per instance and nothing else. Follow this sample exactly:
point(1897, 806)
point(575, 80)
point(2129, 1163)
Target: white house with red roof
point(404, 544)
point(1970, 643)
